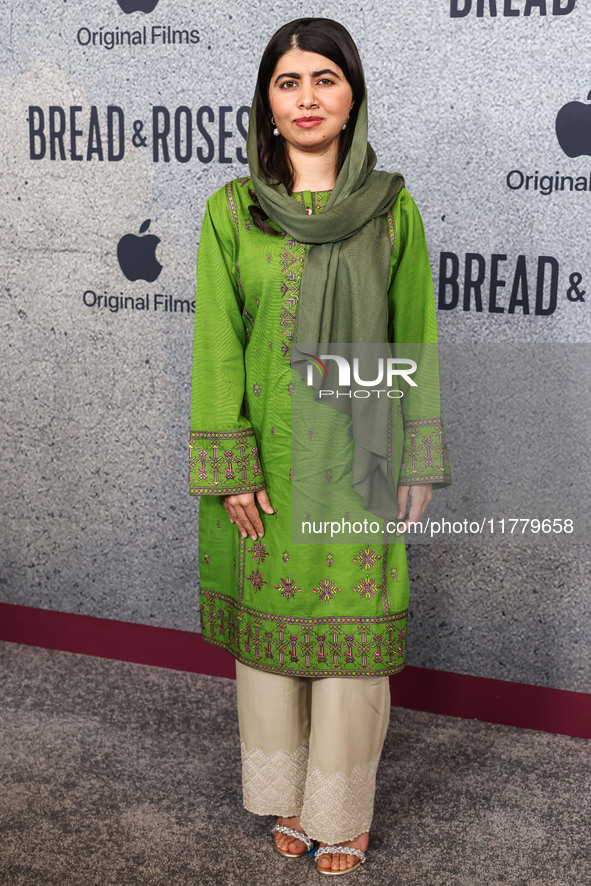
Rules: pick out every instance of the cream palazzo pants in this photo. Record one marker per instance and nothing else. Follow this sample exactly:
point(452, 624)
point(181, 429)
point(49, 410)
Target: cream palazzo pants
point(311, 747)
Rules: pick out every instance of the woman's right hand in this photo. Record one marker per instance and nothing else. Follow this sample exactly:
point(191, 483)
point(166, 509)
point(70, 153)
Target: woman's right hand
point(242, 510)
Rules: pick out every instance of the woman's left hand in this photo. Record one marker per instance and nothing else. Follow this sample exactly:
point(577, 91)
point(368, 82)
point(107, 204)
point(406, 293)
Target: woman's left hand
point(419, 499)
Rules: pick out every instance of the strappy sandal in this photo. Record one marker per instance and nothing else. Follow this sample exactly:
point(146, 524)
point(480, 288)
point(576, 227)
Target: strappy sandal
point(298, 835)
point(339, 850)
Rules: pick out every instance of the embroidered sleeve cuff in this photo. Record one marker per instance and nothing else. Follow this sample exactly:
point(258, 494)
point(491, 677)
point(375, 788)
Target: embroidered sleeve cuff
point(224, 463)
point(424, 454)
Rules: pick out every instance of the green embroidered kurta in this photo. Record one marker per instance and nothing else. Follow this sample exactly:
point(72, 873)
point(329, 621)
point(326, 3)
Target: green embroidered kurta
point(300, 609)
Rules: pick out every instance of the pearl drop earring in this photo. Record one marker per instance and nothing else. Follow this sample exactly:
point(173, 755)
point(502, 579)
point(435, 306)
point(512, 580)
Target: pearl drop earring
point(275, 131)
point(344, 126)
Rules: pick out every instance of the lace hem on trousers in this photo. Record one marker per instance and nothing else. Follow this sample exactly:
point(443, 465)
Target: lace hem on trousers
point(339, 807)
point(273, 784)
point(333, 807)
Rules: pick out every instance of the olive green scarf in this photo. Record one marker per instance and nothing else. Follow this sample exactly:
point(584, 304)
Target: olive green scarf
point(344, 286)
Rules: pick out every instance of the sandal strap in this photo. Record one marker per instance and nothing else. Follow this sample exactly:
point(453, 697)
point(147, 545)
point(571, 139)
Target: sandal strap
point(289, 832)
point(339, 850)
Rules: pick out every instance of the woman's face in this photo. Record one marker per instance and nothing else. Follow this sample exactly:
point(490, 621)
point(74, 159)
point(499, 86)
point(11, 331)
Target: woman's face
point(310, 99)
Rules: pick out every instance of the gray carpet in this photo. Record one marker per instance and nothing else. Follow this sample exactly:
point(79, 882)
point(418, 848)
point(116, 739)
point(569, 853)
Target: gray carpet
point(115, 774)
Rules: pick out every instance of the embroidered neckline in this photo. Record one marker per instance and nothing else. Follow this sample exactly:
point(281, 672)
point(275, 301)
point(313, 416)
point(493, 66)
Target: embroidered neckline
point(313, 201)
point(306, 191)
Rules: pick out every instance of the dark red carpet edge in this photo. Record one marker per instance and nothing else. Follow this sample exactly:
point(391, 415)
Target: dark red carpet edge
point(438, 692)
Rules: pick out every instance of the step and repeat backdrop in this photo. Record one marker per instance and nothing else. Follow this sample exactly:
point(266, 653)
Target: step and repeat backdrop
point(120, 118)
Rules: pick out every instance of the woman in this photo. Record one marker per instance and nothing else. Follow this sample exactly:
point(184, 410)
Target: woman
point(313, 246)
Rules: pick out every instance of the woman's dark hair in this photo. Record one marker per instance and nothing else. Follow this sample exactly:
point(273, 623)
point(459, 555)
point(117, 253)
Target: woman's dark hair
point(325, 37)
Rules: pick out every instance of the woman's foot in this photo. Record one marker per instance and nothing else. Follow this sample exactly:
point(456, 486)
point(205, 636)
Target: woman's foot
point(340, 862)
point(290, 844)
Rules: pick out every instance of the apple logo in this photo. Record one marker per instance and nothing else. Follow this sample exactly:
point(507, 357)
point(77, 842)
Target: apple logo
point(137, 255)
point(137, 5)
point(573, 128)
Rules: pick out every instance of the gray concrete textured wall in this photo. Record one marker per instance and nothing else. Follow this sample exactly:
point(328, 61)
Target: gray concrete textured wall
point(96, 516)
